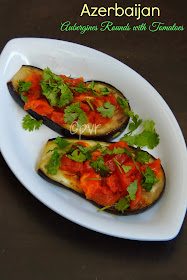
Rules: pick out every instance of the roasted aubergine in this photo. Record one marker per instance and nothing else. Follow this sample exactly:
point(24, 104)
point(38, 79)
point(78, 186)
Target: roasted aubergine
point(113, 176)
point(70, 106)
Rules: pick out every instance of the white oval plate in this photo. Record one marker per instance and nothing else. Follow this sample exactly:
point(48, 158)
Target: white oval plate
point(22, 149)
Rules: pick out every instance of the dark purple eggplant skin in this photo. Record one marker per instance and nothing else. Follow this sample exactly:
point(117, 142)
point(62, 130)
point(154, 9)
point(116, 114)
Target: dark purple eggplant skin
point(111, 210)
point(56, 127)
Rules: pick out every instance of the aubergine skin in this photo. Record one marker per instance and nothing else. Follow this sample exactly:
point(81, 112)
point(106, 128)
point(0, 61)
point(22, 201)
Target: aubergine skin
point(154, 196)
point(119, 120)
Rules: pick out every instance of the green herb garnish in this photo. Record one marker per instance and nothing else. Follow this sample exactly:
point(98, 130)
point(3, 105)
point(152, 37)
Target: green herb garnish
point(149, 179)
point(30, 124)
point(100, 167)
point(74, 112)
point(107, 110)
point(54, 162)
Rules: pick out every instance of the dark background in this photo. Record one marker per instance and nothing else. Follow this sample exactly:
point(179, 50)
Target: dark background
point(35, 242)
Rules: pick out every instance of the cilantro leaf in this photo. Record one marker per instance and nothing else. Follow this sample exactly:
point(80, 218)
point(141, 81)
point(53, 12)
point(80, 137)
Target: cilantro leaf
point(49, 76)
point(74, 112)
point(51, 94)
point(149, 126)
point(147, 138)
point(77, 156)
point(123, 203)
point(123, 102)
point(142, 157)
point(66, 95)
point(104, 91)
point(23, 86)
point(100, 167)
point(149, 179)
point(136, 122)
point(126, 168)
point(54, 162)
point(115, 151)
point(80, 88)
point(132, 189)
point(30, 123)
point(129, 139)
point(62, 143)
point(107, 110)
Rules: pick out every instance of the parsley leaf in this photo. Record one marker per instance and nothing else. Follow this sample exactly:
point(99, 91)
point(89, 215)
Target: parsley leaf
point(132, 189)
point(30, 123)
point(77, 156)
point(107, 110)
point(122, 204)
point(149, 179)
point(54, 162)
point(74, 112)
point(123, 102)
point(62, 143)
point(100, 167)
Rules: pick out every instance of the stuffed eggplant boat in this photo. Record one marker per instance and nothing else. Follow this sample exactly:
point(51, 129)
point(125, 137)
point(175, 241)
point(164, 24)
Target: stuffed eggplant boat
point(70, 106)
point(113, 176)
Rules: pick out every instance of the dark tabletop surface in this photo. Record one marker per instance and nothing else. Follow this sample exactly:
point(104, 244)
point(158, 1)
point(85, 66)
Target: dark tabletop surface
point(35, 242)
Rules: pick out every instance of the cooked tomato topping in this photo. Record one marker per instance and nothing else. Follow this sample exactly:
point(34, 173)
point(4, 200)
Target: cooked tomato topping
point(40, 106)
point(121, 173)
point(57, 117)
point(134, 203)
point(70, 165)
point(155, 166)
point(89, 103)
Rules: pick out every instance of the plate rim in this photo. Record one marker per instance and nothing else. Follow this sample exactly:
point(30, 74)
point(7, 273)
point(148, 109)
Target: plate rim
point(179, 132)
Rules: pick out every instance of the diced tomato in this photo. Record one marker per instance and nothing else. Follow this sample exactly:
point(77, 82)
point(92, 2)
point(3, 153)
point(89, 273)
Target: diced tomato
point(84, 144)
point(40, 106)
point(73, 82)
point(57, 117)
point(35, 79)
point(112, 99)
point(133, 169)
point(86, 168)
point(114, 183)
point(109, 160)
point(125, 180)
point(155, 166)
point(101, 120)
point(120, 144)
point(85, 107)
point(90, 187)
point(70, 165)
point(95, 155)
point(134, 203)
point(106, 197)
point(91, 117)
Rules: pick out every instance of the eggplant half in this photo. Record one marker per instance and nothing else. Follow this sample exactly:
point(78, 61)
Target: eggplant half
point(112, 129)
point(71, 181)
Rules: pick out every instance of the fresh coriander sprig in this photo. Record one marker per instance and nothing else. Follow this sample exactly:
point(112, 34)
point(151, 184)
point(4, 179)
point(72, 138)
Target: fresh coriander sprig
point(30, 124)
